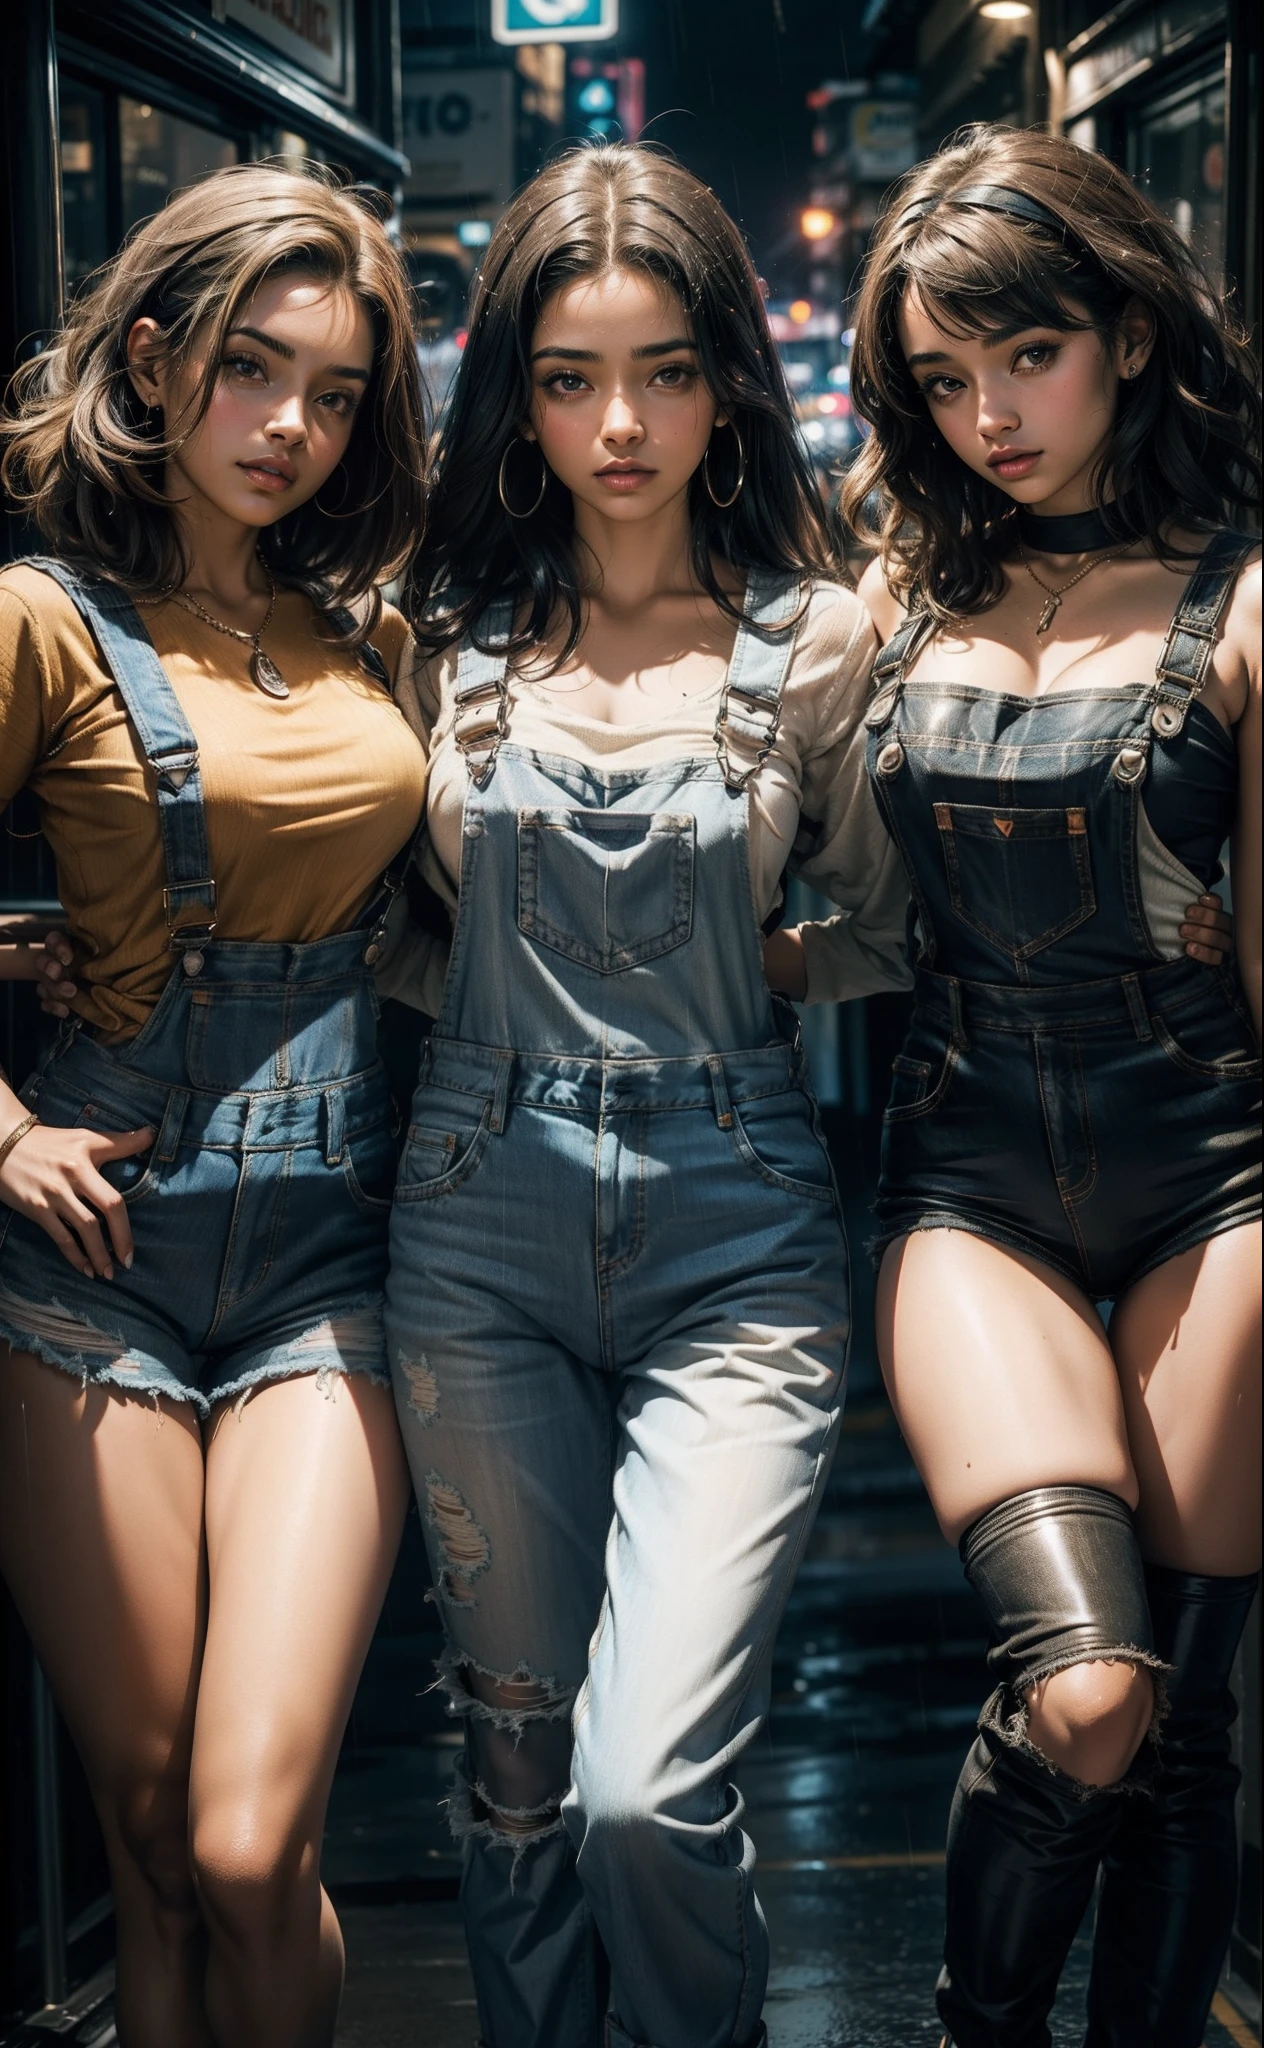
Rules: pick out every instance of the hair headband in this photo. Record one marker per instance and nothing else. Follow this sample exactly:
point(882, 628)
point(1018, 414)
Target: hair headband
point(995, 198)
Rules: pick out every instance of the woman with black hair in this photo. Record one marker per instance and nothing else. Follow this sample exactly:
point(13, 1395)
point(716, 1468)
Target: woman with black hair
point(618, 1304)
point(1065, 729)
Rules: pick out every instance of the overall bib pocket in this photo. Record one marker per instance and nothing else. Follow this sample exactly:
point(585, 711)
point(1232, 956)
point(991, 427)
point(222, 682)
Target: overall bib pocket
point(609, 890)
point(1021, 878)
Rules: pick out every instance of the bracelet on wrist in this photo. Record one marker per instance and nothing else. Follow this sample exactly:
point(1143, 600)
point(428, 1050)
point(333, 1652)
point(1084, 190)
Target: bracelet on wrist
point(16, 1136)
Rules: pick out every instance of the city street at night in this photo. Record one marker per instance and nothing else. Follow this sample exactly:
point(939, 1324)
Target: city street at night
point(346, 924)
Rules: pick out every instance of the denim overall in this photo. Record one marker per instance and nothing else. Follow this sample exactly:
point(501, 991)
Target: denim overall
point(618, 1318)
point(1059, 1091)
point(260, 1213)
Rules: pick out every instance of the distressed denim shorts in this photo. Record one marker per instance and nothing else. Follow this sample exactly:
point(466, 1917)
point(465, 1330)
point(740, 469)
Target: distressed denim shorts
point(260, 1227)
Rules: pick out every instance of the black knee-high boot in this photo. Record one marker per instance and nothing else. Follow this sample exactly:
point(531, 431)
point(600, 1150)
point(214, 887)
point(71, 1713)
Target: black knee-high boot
point(1060, 1575)
point(1024, 1845)
point(1170, 1880)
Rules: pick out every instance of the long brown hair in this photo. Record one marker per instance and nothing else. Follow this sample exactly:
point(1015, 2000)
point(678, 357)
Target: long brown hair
point(1186, 445)
point(594, 210)
point(84, 458)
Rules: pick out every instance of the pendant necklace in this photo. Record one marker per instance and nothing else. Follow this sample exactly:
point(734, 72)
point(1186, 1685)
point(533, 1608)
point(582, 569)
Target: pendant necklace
point(263, 669)
point(1054, 597)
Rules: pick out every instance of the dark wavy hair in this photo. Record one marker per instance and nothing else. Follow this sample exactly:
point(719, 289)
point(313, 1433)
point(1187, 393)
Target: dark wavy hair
point(84, 457)
point(597, 209)
point(1186, 445)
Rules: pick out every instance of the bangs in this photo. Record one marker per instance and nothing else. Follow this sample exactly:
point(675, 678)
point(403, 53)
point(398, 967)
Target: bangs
point(986, 275)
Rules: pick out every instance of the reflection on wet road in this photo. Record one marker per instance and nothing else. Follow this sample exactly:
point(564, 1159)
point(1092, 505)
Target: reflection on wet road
point(879, 1675)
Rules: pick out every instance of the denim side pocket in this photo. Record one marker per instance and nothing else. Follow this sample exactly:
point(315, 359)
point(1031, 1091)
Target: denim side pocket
point(1209, 1037)
point(446, 1142)
point(774, 1136)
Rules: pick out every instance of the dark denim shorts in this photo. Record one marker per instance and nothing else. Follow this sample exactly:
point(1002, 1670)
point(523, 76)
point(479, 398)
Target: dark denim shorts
point(1102, 1127)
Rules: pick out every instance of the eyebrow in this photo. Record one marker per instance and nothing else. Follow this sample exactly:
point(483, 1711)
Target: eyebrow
point(639, 355)
point(997, 338)
point(283, 349)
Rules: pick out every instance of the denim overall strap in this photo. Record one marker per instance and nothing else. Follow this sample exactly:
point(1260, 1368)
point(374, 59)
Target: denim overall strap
point(481, 699)
point(891, 664)
point(170, 749)
point(749, 716)
point(1191, 638)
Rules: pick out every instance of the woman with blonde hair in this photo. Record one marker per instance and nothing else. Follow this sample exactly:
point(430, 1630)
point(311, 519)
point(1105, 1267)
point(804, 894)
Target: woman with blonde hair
point(201, 1484)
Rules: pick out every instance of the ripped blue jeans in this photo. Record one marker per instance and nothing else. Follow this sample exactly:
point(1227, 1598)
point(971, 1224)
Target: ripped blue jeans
point(618, 1451)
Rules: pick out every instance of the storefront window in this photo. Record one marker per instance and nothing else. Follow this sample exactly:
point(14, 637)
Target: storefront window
point(84, 192)
point(1179, 159)
point(160, 154)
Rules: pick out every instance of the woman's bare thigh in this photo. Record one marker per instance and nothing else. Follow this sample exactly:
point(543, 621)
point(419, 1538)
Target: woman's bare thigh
point(101, 1545)
point(999, 1373)
point(1187, 1343)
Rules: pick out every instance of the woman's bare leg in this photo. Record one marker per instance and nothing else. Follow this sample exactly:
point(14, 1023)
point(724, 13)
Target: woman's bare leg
point(101, 1544)
point(1187, 1343)
point(1002, 1380)
point(1187, 1339)
point(306, 1489)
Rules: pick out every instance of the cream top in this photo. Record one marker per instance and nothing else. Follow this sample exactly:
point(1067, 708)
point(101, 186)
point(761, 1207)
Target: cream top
point(812, 787)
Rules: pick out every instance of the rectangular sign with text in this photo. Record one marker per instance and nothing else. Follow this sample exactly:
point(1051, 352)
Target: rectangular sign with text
point(554, 21)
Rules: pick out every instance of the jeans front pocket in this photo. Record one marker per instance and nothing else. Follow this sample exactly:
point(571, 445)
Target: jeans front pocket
point(1211, 1036)
point(1022, 878)
point(133, 1177)
point(920, 1074)
point(446, 1142)
point(607, 889)
point(775, 1136)
point(369, 1162)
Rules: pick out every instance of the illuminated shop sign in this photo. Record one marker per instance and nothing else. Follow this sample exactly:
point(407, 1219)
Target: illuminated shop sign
point(314, 34)
point(554, 21)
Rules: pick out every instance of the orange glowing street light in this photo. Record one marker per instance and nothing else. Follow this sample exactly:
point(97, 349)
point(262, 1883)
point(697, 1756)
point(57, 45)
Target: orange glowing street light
point(816, 223)
point(800, 311)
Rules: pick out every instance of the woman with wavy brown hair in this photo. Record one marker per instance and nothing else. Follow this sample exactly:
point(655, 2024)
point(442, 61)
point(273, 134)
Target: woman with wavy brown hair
point(1064, 731)
point(201, 1483)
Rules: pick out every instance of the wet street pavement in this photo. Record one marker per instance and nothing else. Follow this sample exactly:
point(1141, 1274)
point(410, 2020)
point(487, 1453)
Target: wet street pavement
point(879, 1675)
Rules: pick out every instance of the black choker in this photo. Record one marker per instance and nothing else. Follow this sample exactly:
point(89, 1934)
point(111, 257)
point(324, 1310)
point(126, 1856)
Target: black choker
point(1069, 533)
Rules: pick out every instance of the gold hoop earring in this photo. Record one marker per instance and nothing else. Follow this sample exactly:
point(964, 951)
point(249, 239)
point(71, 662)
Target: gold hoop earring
point(500, 484)
point(722, 504)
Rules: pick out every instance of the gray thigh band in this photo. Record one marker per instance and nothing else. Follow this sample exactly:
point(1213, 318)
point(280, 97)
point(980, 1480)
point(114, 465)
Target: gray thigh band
point(1060, 1574)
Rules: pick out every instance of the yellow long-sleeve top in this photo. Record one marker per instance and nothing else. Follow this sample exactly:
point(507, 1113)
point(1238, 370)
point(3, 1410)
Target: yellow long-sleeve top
point(307, 798)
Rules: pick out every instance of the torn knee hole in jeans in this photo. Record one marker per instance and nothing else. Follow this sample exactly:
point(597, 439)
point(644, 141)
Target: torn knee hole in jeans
point(60, 1338)
point(463, 1545)
point(474, 1816)
point(518, 1750)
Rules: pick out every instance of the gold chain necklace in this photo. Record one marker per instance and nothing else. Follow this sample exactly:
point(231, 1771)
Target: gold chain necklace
point(262, 667)
point(1055, 597)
